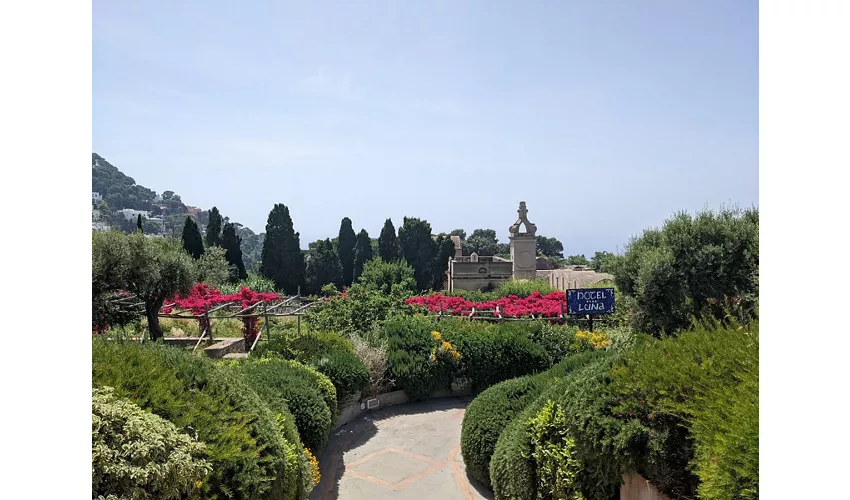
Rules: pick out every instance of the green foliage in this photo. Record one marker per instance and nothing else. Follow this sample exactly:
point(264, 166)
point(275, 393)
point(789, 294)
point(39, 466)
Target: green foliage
point(118, 190)
point(690, 267)
point(285, 384)
point(388, 246)
point(323, 267)
point(213, 268)
point(603, 262)
point(554, 455)
point(445, 249)
point(482, 242)
point(331, 354)
point(213, 231)
point(192, 241)
point(486, 417)
point(253, 281)
point(345, 249)
point(152, 269)
point(491, 353)
point(577, 260)
point(362, 252)
point(409, 349)
point(419, 250)
point(347, 372)
point(139, 455)
point(251, 457)
point(282, 260)
point(522, 288)
point(699, 394)
point(550, 247)
point(232, 245)
point(458, 232)
point(512, 470)
point(388, 277)
point(379, 292)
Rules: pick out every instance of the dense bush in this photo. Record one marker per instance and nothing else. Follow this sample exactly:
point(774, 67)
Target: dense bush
point(372, 351)
point(412, 358)
point(486, 417)
point(329, 352)
point(250, 455)
point(492, 410)
point(349, 375)
point(512, 470)
point(690, 267)
point(285, 384)
point(139, 455)
point(491, 353)
point(700, 393)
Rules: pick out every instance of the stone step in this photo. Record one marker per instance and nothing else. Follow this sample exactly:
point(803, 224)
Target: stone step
point(236, 355)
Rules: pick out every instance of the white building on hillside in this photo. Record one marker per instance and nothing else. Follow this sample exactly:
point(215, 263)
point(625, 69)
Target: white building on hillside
point(96, 197)
point(131, 214)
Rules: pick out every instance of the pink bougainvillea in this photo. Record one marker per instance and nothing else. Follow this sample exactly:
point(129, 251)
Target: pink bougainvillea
point(547, 306)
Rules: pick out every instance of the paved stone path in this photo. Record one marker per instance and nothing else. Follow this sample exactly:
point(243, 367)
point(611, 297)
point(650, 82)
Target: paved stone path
point(410, 451)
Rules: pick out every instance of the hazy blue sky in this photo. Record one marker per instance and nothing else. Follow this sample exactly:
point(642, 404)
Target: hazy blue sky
point(604, 116)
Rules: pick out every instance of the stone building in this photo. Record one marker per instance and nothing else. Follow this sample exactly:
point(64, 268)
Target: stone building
point(474, 272)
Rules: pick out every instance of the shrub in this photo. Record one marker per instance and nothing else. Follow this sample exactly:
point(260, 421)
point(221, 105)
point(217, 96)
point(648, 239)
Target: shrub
point(331, 354)
point(411, 356)
point(554, 455)
point(486, 417)
point(699, 394)
point(687, 269)
point(139, 455)
point(557, 340)
point(251, 457)
point(492, 353)
point(522, 288)
point(510, 472)
point(349, 375)
point(288, 385)
point(373, 353)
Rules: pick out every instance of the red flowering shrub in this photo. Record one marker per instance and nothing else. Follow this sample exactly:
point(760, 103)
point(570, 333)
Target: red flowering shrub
point(203, 297)
point(550, 305)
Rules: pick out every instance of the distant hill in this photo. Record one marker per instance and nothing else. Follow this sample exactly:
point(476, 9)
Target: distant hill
point(120, 191)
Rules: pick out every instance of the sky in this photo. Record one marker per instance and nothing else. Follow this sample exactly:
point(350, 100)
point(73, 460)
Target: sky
point(605, 117)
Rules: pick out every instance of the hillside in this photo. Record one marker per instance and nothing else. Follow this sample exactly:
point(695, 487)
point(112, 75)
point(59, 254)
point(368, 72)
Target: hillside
point(120, 191)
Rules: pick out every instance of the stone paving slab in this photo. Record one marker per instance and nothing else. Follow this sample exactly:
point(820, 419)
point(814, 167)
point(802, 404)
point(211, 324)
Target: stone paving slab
point(402, 452)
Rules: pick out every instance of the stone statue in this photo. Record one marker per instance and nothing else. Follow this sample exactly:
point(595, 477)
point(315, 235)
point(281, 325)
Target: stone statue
point(530, 229)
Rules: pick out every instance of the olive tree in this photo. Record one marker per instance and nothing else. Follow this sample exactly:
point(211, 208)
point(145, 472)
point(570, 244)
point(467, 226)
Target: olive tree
point(152, 269)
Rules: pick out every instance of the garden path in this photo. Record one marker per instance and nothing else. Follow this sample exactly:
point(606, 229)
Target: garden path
point(410, 451)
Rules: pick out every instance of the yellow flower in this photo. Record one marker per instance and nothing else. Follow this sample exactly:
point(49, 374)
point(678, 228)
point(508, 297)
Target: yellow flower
point(314, 466)
point(436, 335)
point(199, 484)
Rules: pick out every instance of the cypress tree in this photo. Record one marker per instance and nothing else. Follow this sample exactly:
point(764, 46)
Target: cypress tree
point(213, 236)
point(192, 241)
point(139, 224)
point(362, 253)
point(388, 249)
point(323, 266)
point(445, 249)
point(231, 242)
point(282, 260)
point(419, 250)
point(346, 242)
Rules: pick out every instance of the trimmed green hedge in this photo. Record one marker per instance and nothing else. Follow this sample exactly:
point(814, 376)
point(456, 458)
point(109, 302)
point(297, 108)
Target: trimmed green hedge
point(493, 353)
point(330, 353)
point(137, 454)
point(492, 410)
point(698, 394)
point(512, 472)
point(250, 455)
point(285, 384)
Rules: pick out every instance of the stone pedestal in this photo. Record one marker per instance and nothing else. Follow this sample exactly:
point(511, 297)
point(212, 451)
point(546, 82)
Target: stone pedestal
point(523, 246)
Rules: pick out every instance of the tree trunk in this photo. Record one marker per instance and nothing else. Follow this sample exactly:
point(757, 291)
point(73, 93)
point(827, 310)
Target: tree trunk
point(151, 311)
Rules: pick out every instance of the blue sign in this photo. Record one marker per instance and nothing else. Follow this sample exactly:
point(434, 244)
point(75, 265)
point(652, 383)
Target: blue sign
point(590, 301)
